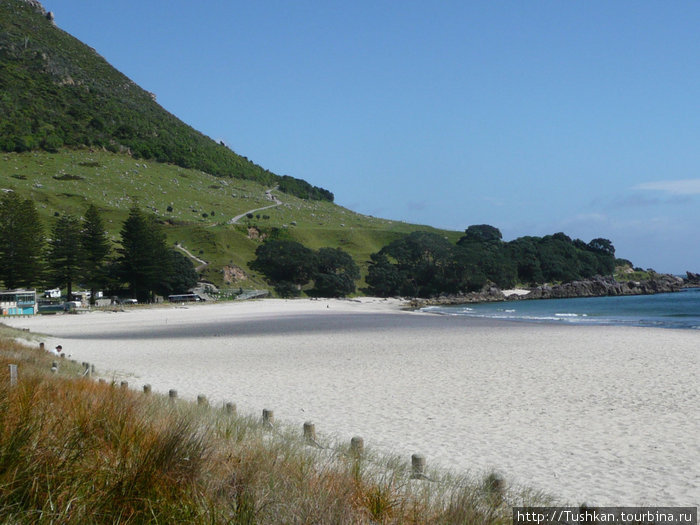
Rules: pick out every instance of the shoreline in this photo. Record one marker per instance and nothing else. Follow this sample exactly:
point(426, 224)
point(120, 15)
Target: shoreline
point(594, 287)
point(585, 413)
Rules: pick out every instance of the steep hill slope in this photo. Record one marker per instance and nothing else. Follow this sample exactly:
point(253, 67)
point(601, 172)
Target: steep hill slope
point(57, 92)
point(75, 131)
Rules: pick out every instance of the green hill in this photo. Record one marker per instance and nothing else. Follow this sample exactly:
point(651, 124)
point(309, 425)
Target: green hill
point(201, 207)
point(57, 92)
point(76, 131)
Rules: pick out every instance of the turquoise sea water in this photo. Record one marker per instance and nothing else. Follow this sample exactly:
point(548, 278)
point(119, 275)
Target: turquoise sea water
point(669, 310)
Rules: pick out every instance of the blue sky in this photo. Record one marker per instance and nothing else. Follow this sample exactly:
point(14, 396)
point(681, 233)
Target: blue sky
point(535, 117)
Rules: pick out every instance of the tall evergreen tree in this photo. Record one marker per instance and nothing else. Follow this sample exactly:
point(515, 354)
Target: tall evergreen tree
point(21, 242)
point(144, 261)
point(64, 253)
point(94, 248)
point(182, 275)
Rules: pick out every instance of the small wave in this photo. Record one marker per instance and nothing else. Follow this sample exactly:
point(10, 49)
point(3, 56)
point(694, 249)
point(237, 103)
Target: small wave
point(439, 310)
point(570, 315)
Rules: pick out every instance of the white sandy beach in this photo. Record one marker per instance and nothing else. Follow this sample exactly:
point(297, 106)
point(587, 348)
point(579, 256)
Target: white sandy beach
point(606, 415)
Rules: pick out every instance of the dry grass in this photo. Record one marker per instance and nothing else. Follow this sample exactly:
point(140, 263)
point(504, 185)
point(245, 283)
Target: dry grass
point(76, 451)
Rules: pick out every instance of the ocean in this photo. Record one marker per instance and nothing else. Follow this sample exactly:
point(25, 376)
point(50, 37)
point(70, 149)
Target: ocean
point(679, 310)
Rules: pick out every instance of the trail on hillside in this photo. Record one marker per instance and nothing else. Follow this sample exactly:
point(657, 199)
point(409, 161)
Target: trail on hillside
point(269, 195)
point(203, 264)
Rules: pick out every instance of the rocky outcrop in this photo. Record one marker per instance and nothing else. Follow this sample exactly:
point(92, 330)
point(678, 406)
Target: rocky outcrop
point(35, 4)
point(692, 280)
point(594, 287)
point(607, 286)
point(488, 294)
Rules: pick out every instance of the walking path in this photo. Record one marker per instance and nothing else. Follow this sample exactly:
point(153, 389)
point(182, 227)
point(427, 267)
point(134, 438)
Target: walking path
point(269, 195)
point(203, 264)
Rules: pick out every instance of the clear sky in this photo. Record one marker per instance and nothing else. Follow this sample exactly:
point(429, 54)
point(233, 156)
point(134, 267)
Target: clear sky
point(535, 117)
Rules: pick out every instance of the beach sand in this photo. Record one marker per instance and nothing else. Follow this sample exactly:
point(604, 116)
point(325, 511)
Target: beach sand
point(605, 415)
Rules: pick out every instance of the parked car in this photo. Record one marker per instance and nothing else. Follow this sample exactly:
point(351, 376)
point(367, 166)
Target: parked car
point(130, 301)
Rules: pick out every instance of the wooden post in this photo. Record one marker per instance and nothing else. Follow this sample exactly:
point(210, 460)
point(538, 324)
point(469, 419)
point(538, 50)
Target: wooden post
point(86, 371)
point(172, 395)
point(230, 408)
point(417, 466)
point(587, 513)
point(13, 375)
point(268, 418)
point(146, 389)
point(357, 446)
point(54, 367)
point(202, 400)
point(310, 432)
point(92, 369)
point(496, 485)
point(125, 384)
point(102, 381)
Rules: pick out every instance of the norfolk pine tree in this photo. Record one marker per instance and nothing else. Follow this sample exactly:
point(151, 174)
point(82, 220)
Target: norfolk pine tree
point(21, 242)
point(94, 248)
point(64, 253)
point(143, 263)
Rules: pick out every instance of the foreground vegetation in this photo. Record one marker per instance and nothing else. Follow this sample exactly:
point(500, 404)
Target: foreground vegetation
point(73, 450)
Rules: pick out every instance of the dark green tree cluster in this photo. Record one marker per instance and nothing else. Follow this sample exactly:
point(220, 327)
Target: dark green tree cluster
point(146, 265)
point(289, 265)
point(57, 92)
point(424, 264)
point(21, 242)
point(302, 189)
point(78, 252)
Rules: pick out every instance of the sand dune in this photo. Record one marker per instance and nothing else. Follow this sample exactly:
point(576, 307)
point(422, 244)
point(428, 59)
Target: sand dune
point(607, 415)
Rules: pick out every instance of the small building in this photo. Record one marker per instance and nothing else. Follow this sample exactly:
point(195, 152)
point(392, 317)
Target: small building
point(18, 302)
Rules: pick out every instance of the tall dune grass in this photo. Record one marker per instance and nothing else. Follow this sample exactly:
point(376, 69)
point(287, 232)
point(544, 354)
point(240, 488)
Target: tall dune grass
point(76, 451)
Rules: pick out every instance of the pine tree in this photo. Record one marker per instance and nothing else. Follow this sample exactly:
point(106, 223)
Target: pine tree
point(144, 263)
point(21, 242)
point(64, 253)
point(94, 248)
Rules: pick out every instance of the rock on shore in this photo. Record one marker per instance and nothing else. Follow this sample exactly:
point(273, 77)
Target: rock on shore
point(594, 287)
point(692, 279)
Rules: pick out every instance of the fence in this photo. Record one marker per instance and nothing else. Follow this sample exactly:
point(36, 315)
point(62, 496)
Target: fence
point(357, 444)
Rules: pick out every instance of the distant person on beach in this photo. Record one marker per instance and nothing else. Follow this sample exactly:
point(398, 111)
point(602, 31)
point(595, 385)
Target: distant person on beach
point(57, 351)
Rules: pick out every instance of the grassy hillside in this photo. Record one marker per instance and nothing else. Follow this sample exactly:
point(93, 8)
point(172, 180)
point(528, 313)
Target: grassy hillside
point(67, 181)
point(76, 131)
point(57, 92)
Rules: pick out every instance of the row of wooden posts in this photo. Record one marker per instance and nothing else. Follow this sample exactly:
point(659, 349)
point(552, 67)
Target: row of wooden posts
point(357, 443)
